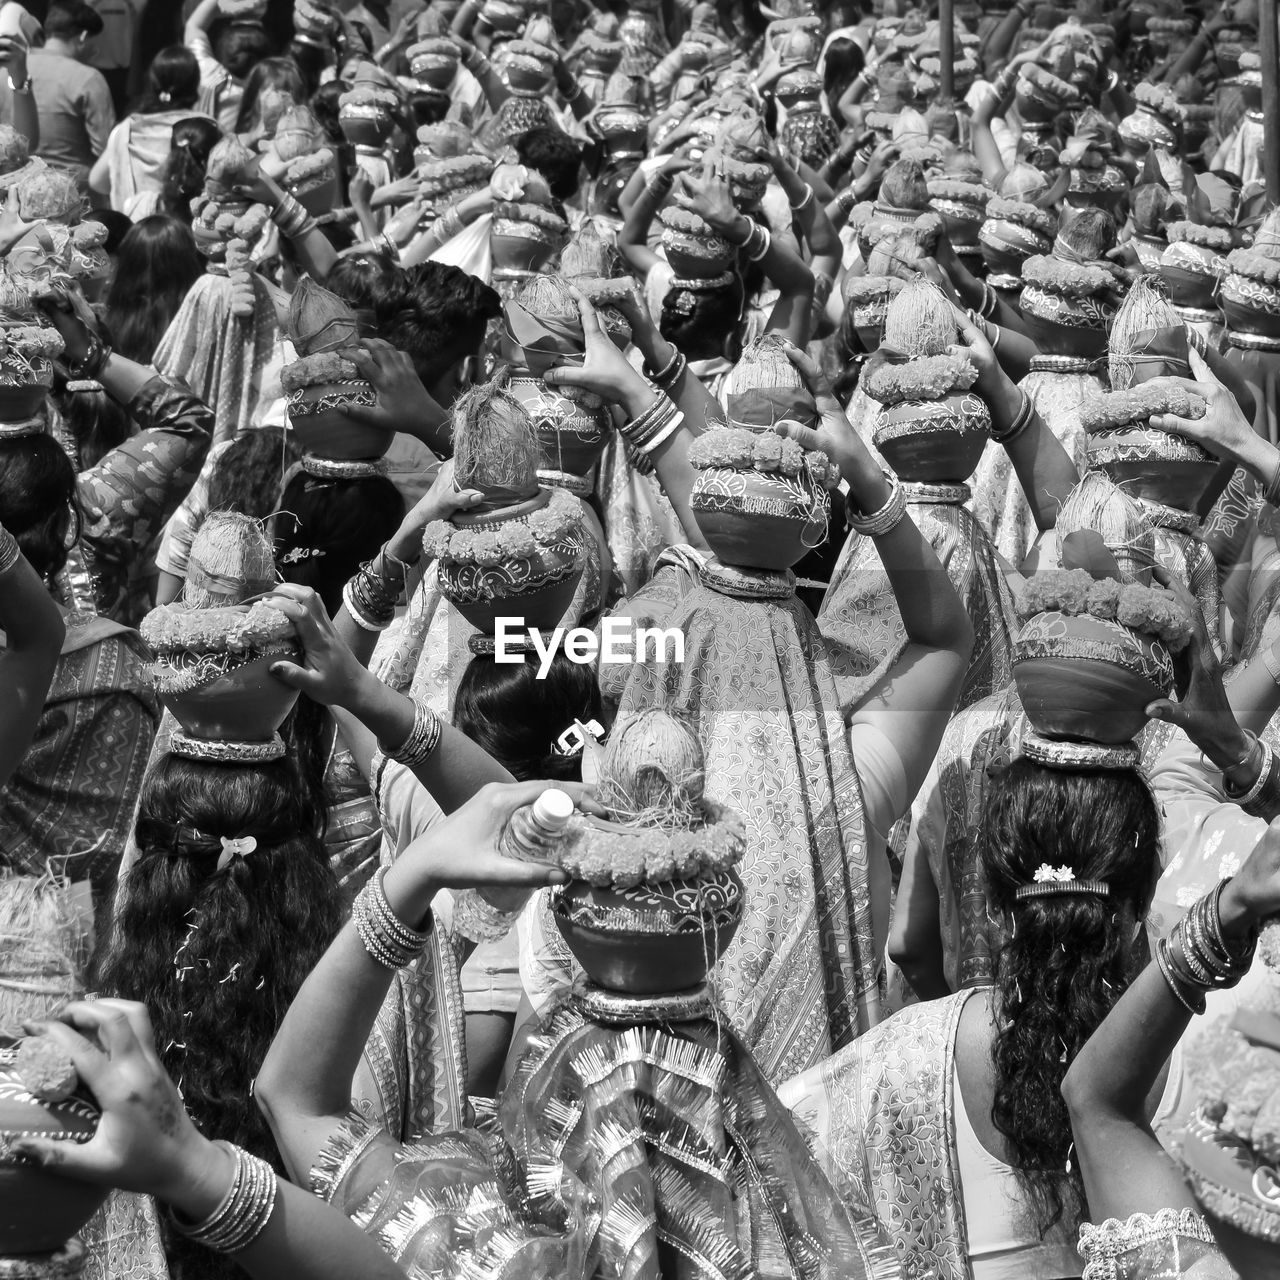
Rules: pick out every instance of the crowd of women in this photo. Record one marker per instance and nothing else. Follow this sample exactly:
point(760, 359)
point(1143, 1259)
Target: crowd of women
point(936, 441)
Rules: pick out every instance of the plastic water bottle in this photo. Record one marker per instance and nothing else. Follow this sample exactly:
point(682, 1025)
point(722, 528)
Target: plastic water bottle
point(535, 830)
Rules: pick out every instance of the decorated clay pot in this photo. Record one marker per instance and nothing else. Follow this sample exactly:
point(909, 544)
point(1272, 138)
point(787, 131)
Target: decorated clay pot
point(572, 427)
point(1064, 326)
point(434, 63)
point(759, 519)
point(521, 243)
point(653, 938)
point(365, 126)
point(1006, 245)
point(247, 704)
point(318, 416)
point(1088, 679)
point(318, 195)
point(39, 1210)
point(1155, 465)
point(934, 441)
point(693, 250)
point(537, 587)
point(1189, 288)
point(24, 383)
point(1251, 306)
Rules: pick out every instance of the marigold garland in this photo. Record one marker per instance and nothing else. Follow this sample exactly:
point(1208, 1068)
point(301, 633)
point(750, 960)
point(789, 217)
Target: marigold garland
point(1023, 213)
point(311, 371)
point(1076, 593)
point(741, 449)
point(926, 378)
point(621, 857)
point(510, 540)
point(1255, 264)
point(170, 627)
point(32, 340)
point(1105, 411)
point(1194, 233)
point(1067, 279)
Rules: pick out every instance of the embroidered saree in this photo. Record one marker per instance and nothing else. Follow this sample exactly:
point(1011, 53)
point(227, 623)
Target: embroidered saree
point(802, 976)
point(859, 617)
point(879, 1118)
point(1174, 1244)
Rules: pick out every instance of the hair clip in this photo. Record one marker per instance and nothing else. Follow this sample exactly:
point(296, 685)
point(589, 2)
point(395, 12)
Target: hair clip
point(240, 847)
point(574, 738)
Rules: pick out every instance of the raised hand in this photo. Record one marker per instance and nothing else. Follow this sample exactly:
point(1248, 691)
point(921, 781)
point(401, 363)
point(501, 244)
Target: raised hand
point(404, 404)
point(1224, 430)
point(834, 434)
point(604, 370)
point(145, 1140)
point(330, 673)
point(443, 500)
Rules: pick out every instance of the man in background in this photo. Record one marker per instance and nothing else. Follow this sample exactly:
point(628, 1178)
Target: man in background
point(112, 50)
point(72, 100)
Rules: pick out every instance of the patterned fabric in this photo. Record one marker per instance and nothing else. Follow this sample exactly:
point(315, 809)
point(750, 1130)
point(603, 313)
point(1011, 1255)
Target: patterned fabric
point(70, 803)
point(1228, 527)
point(1206, 836)
point(126, 499)
point(1189, 558)
point(426, 650)
point(639, 521)
point(859, 617)
point(1241, 152)
point(122, 1241)
point(879, 1117)
point(686, 1151)
point(231, 363)
point(801, 978)
point(1173, 1244)
point(998, 500)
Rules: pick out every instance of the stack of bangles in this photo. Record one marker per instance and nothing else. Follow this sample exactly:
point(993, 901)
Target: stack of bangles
point(659, 186)
point(667, 377)
point(244, 1211)
point(1021, 421)
point(423, 738)
point(1196, 958)
point(372, 595)
point(645, 432)
point(1261, 799)
point(876, 524)
point(805, 200)
point(388, 940)
point(292, 219)
point(757, 243)
point(989, 302)
point(447, 225)
point(91, 364)
point(10, 552)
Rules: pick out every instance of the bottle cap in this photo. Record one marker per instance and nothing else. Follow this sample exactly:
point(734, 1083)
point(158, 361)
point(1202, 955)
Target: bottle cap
point(553, 808)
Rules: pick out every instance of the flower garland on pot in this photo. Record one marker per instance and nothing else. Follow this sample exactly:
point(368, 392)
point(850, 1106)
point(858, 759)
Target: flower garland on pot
point(760, 501)
point(930, 428)
point(1194, 263)
point(1091, 655)
point(524, 547)
point(323, 383)
point(1251, 289)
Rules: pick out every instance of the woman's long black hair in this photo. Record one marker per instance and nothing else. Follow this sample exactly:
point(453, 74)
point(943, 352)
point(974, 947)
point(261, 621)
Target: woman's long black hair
point(1067, 958)
point(217, 955)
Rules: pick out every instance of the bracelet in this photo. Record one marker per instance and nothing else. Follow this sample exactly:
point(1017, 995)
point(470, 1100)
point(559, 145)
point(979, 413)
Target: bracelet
point(1250, 794)
point(764, 239)
point(24, 88)
point(806, 200)
point(659, 186)
point(423, 738)
point(1264, 802)
point(876, 524)
point(366, 616)
point(447, 225)
point(845, 202)
point(387, 939)
point(1235, 764)
point(10, 552)
point(475, 917)
point(666, 373)
point(1021, 421)
point(243, 1213)
point(1175, 986)
point(649, 429)
point(92, 362)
